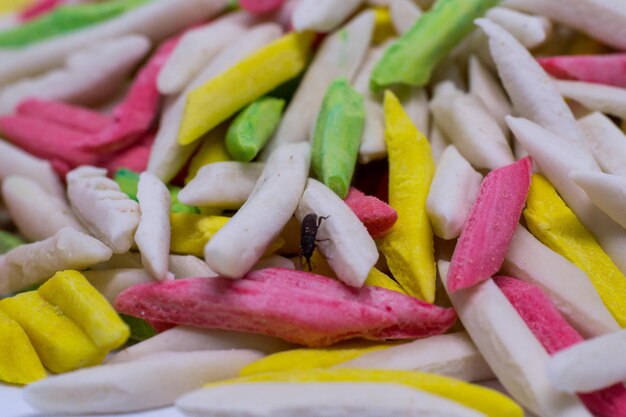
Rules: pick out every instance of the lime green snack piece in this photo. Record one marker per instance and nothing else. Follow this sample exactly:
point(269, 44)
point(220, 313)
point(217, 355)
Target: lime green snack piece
point(9, 241)
point(338, 136)
point(140, 330)
point(253, 127)
point(63, 20)
point(412, 58)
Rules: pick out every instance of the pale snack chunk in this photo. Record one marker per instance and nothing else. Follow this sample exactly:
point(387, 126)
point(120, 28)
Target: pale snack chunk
point(322, 15)
point(531, 31)
point(404, 14)
point(603, 98)
point(606, 191)
point(607, 141)
point(484, 85)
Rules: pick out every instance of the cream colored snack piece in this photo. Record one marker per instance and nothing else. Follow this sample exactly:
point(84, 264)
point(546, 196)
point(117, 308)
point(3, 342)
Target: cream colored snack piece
point(607, 141)
point(154, 381)
point(511, 350)
point(350, 250)
point(274, 261)
point(37, 214)
point(452, 193)
point(322, 15)
point(598, 97)
point(222, 184)
point(154, 232)
point(606, 191)
point(404, 14)
point(487, 88)
point(90, 75)
point(238, 245)
point(319, 400)
point(438, 141)
point(530, 31)
point(30, 264)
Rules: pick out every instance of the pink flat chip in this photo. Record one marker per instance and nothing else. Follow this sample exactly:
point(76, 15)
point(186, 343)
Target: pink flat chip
point(296, 306)
point(377, 216)
point(609, 69)
point(63, 114)
point(39, 8)
point(555, 334)
point(46, 140)
point(490, 226)
point(135, 115)
point(134, 158)
point(260, 6)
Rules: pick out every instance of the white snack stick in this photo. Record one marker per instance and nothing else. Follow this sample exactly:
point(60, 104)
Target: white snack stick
point(404, 14)
point(591, 365)
point(189, 339)
point(598, 97)
point(567, 286)
point(194, 51)
point(342, 238)
point(535, 96)
point(154, 381)
point(530, 31)
point(30, 264)
point(415, 104)
point(453, 355)
point(154, 231)
point(90, 75)
point(454, 188)
point(274, 261)
point(337, 399)
point(606, 191)
point(14, 161)
point(188, 266)
point(484, 85)
point(475, 133)
point(600, 19)
point(37, 214)
point(607, 141)
point(556, 158)
point(222, 184)
point(510, 348)
point(340, 55)
point(237, 246)
point(111, 282)
point(156, 20)
point(106, 211)
point(168, 156)
point(322, 15)
point(438, 141)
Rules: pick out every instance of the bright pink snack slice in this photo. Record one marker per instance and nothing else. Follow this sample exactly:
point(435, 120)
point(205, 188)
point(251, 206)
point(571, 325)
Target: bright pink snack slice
point(377, 216)
point(38, 8)
point(609, 69)
point(555, 334)
point(46, 140)
point(134, 158)
point(260, 6)
point(135, 115)
point(486, 235)
point(63, 114)
point(299, 307)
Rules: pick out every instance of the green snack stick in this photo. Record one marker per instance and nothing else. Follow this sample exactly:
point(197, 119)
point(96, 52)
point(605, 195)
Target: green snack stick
point(140, 330)
point(9, 241)
point(338, 136)
point(253, 127)
point(412, 58)
point(63, 20)
point(129, 181)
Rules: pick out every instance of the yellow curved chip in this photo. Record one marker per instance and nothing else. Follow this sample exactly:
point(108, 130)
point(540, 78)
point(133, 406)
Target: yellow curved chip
point(379, 279)
point(251, 78)
point(409, 247)
point(383, 27)
point(213, 150)
point(487, 401)
point(19, 363)
point(557, 227)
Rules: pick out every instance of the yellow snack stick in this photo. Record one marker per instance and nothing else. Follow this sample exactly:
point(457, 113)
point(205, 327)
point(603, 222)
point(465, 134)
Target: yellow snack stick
point(557, 227)
point(213, 150)
point(250, 79)
point(7, 6)
point(81, 302)
point(487, 401)
point(304, 359)
point(409, 247)
point(19, 363)
point(383, 27)
point(379, 279)
point(60, 343)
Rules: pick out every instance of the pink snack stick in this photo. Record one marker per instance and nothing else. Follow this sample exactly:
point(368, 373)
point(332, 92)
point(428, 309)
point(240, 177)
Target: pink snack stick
point(39, 8)
point(377, 216)
point(134, 158)
point(64, 114)
point(260, 6)
point(297, 306)
point(47, 140)
point(609, 69)
point(555, 334)
point(490, 226)
point(138, 110)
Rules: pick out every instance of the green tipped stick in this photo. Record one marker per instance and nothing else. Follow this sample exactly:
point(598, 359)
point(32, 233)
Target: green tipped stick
point(412, 58)
point(63, 20)
point(338, 136)
point(253, 127)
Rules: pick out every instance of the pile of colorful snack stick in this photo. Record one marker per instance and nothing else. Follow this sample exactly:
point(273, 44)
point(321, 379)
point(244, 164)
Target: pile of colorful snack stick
point(315, 207)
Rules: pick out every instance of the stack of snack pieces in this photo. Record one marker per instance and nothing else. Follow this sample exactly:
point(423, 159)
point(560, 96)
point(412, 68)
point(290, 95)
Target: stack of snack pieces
point(274, 207)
